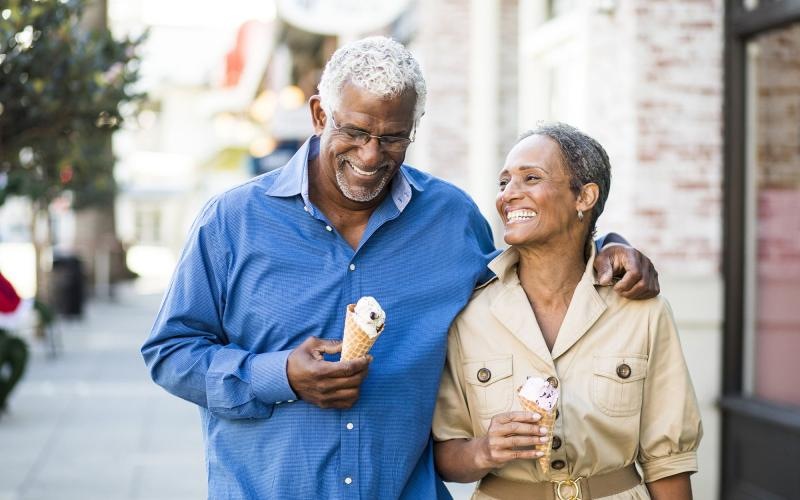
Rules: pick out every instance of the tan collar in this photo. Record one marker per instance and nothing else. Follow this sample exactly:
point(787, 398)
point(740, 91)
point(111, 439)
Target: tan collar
point(512, 309)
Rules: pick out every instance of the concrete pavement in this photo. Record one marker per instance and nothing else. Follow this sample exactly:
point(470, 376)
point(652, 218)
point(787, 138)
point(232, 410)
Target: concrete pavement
point(90, 425)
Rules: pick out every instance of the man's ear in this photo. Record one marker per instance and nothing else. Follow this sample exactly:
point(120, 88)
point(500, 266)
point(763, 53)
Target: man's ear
point(318, 117)
point(588, 197)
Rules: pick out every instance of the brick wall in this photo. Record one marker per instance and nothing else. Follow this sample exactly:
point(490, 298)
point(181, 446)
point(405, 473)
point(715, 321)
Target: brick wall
point(442, 46)
point(678, 99)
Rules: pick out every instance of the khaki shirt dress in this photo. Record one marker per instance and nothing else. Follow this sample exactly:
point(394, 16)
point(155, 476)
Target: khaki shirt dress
point(626, 395)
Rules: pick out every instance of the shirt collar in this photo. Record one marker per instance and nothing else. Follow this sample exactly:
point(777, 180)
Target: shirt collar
point(504, 266)
point(293, 177)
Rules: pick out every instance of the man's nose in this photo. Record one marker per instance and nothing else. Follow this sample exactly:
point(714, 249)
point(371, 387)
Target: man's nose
point(371, 152)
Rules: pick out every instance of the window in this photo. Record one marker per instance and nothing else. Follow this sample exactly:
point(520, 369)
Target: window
point(772, 220)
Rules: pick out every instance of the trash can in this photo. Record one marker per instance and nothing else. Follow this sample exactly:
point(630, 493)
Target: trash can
point(66, 290)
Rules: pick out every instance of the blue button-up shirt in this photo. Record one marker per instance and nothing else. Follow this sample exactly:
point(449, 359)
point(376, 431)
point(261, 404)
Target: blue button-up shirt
point(262, 270)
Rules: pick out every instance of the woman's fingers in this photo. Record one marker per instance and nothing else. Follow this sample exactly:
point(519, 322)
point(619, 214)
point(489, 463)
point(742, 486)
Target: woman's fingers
point(513, 436)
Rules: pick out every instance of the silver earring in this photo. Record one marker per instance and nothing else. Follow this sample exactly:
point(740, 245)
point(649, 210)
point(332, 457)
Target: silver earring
point(580, 216)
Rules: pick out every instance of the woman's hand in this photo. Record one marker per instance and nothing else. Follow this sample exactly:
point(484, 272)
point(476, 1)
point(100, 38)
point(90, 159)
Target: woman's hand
point(511, 436)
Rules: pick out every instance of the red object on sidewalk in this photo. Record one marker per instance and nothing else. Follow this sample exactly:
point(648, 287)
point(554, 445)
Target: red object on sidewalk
point(9, 300)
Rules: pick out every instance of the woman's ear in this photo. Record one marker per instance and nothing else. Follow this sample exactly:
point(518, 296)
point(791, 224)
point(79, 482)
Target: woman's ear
point(588, 197)
point(318, 117)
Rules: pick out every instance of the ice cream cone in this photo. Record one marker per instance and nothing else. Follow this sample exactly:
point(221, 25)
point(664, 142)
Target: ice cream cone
point(355, 343)
point(548, 420)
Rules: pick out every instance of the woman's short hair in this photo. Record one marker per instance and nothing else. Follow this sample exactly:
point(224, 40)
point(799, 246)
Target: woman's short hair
point(376, 64)
point(584, 159)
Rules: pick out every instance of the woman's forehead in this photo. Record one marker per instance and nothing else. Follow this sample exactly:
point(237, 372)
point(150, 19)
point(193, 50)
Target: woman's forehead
point(535, 151)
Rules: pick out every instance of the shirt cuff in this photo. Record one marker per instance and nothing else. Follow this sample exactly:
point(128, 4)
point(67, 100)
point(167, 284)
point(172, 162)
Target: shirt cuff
point(269, 380)
point(660, 468)
point(611, 239)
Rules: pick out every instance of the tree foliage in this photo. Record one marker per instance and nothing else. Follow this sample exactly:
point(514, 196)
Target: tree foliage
point(61, 89)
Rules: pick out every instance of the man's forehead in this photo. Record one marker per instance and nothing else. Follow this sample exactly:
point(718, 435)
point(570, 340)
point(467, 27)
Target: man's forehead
point(357, 102)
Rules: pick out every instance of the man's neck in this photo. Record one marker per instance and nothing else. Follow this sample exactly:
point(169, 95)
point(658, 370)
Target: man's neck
point(349, 217)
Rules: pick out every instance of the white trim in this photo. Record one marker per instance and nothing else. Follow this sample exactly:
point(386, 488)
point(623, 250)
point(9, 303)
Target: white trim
point(483, 115)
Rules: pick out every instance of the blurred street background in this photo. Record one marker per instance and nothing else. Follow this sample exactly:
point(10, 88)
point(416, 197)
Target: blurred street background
point(120, 118)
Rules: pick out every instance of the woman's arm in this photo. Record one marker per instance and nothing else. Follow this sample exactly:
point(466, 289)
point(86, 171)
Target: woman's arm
point(510, 436)
point(677, 487)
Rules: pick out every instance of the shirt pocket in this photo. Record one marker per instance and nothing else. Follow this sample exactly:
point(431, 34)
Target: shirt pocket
point(491, 384)
point(618, 383)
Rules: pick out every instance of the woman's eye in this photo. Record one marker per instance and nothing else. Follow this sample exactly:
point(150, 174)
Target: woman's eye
point(502, 183)
point(532, 178)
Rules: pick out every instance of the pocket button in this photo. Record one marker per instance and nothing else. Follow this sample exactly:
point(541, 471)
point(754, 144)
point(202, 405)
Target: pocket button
point(484, 375)
point(623, 371)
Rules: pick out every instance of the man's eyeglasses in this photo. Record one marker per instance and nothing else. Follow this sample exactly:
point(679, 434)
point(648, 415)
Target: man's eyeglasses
point(392, 143)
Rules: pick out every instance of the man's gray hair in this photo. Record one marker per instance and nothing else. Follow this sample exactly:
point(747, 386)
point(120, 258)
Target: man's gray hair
point(377, 64)
point(584, 159)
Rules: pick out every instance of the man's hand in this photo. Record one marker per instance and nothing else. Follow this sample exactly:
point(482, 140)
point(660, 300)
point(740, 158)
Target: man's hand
point(324, 383)
point(640, 278)
point(511, 436)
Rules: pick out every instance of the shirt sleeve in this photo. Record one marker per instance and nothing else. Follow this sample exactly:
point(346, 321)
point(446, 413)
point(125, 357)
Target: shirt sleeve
point(610, 239)
point(188, 352)
point(451, 418)
point(670, 427)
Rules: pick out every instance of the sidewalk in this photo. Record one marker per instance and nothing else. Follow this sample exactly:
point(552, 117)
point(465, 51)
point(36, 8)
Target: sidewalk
point(90, 424)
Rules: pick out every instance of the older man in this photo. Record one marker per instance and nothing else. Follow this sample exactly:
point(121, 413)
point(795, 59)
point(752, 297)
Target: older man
point(256, 307)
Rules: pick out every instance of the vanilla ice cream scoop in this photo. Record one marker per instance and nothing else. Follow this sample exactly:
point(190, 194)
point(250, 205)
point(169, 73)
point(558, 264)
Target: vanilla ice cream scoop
point(369, 315)
point(540, 392)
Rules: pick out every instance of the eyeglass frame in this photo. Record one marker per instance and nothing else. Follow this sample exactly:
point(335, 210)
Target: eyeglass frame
point(354, 137)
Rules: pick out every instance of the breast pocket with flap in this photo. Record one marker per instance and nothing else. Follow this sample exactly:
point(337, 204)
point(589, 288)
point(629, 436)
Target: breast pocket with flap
point(491, 383)
point(618, 383)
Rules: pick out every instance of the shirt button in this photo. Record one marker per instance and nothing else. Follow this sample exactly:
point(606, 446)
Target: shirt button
point(557, 464)
point(328, 228)
point(352, 267)
point(349, 426)
point(553, 381)
point(305, 208)
point(348, 480)
point(556, 442)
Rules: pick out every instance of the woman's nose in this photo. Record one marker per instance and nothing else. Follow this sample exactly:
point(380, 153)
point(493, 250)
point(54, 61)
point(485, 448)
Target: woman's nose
point(510, 191)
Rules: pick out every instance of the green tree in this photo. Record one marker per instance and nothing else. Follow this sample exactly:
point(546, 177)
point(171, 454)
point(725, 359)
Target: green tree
point(62, 87)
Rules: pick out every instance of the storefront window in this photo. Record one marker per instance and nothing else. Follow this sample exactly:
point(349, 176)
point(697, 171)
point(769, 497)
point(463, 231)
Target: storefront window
point(773, 226)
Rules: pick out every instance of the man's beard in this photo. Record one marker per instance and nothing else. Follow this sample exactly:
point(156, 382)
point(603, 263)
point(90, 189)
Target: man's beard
point(361, 194)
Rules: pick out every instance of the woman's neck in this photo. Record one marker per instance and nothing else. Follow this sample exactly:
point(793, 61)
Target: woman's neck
point(549, 275)
point(550, 272)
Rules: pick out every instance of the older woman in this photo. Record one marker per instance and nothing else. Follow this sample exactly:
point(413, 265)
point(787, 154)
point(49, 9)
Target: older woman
point(626, 396)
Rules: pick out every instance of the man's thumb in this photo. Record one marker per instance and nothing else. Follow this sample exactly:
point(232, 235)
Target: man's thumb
point(605, 272)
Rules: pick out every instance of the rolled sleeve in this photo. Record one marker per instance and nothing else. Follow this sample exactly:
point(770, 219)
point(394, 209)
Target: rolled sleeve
point(671, 426)
point(660, 468)
point(269, 380)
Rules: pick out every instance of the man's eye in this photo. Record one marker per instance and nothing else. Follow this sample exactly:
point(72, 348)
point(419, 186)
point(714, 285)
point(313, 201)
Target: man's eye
point(532, 178)
point(502, 183)
point(393, 139)
point(354, 133)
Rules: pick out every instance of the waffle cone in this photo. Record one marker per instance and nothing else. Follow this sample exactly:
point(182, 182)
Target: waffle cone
point(548, 420)
point(355, 343)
